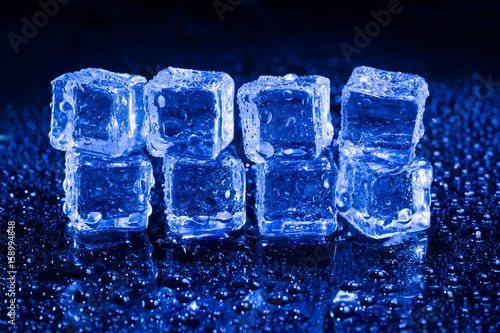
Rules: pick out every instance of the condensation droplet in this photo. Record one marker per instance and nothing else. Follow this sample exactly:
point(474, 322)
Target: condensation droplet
point(265, 149)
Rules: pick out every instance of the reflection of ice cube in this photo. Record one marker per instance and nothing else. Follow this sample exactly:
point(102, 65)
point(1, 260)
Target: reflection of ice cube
point(296, 280)
point(382, 114)
point(105, 293)
point(374, 279)
point(190, 112)
point(98, 111)
point(382, 199)
point(107, 193)
point(285, 117)
point(296, 197)
point(204, 196)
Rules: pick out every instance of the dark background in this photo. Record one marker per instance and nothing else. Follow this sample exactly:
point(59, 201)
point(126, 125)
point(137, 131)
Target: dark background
point(441, 37)
point(237, 284)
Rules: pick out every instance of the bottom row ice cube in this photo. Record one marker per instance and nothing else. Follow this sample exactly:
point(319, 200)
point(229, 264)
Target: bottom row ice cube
point(296, 198)
point(105, 193)
point(204, 197)
point(207, 197)
point(381, 199)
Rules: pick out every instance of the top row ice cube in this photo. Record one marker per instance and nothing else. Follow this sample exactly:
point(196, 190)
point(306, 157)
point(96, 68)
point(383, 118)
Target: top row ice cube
point(99, 111)
point(285, 117)
point(382, 114)
point(191, 112)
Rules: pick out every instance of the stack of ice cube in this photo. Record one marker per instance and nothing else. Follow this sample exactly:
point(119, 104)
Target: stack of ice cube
point(191, 126)
point(99, 119)
point(383, 189)
point(286, 128)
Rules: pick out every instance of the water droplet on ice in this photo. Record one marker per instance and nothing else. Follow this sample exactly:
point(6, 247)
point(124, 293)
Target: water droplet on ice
point(291, 122)
point(94, 218)
point(161, 101)
point(202, 220)
point(329, 130)
point(135, 218)
point(224, 217)
point(405, 214)
point(287, 95)
point(161, 144)
point(265, 149)
point(266, 117)
point(65, 106)
point(377, 274)
point(368, 148)
point(291, 77)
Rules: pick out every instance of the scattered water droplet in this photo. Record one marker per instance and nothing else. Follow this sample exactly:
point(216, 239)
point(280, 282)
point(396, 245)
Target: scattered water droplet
point(288, 95)
point(265, 149)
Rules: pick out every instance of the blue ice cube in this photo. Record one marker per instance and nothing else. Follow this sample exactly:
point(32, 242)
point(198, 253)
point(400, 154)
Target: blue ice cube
point(296, 198)
point(104, 193)
point(382, 114)
point(98, 111)
point(382, 199)
point(285, 117)
point(204, 197)
point(191, 112)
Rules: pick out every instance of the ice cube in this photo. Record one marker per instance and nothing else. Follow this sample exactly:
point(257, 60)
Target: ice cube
point(285, 117)
point(296, 198)
point(98, 111)
point(382, 199)
point(204, 197)
point(382, 114)
point(191, 112)
point(104, 193)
